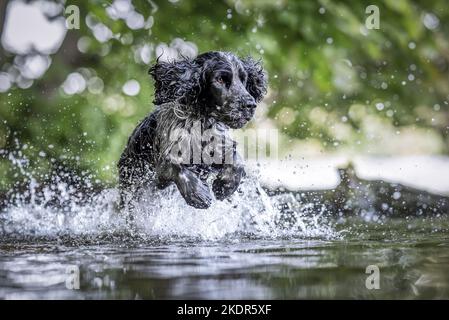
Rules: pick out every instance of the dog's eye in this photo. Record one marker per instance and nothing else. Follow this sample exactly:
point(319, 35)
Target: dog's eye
point(242, 78)
point(220, 80)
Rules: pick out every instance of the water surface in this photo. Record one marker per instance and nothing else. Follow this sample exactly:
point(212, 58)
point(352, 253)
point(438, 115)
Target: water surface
point(412, 256)
point(253, 246)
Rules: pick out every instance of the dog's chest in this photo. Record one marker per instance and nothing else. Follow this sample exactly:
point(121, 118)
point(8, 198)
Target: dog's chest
point(199, 141)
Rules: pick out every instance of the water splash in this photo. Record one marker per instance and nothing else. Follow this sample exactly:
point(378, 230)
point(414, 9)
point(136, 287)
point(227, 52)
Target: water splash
point(59, 210)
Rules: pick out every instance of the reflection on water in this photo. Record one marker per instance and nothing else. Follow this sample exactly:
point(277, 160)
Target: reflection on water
point(413, 258)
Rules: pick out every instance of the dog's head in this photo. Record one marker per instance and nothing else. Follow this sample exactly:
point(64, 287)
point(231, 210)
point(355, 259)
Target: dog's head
point(220, 84)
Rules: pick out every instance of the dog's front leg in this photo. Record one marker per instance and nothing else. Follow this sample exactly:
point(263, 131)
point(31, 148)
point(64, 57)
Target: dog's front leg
point(229, 178)
point(195, 192)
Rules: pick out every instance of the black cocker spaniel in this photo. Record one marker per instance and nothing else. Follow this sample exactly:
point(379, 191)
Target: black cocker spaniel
point(186, 138)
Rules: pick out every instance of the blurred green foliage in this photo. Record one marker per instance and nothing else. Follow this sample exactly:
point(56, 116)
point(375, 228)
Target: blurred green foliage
point(326, 70)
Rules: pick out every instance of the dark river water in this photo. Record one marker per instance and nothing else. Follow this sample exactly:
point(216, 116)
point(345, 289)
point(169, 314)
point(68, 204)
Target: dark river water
point(412, 257)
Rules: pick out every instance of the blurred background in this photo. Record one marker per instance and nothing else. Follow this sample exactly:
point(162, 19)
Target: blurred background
point(338, 91)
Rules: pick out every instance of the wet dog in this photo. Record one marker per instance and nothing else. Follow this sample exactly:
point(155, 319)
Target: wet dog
point(186, 138)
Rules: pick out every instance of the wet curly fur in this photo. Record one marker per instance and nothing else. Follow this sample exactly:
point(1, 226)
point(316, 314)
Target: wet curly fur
point(211, 93)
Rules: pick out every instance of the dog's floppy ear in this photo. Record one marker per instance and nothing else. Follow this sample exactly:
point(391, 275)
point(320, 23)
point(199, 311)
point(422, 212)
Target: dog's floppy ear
point(257, 78)
point(176, 81)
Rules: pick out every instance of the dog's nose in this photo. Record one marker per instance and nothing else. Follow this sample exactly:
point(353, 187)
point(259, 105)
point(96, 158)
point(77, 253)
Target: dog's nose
point(250, 104)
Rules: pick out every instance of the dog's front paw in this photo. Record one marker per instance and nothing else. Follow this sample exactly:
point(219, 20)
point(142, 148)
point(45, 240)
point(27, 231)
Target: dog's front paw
point(224, 187)
point(199, 197)
point(195, 192)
